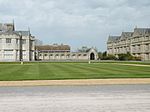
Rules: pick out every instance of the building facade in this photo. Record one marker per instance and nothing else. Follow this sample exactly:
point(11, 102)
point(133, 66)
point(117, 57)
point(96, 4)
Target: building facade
point(137, 43)
point(63, 52)
point(16, 45)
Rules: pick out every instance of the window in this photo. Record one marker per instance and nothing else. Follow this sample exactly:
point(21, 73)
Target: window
point(17, 41)
point(57, 55)
point(138, 47)
point(79, 54)
point(32, 43)
point(51, 55)
point(23, 41)
point(62, 54)
point(8, 54)
point(24, 53)
point(85, 55)
point(146, 38)
point(8, 40)
point(147, 47)
point(74, 55)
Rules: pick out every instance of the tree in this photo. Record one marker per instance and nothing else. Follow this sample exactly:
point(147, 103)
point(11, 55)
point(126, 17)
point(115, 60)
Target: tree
point(100, 55)
point(83, 49)
point(111, 57)
point(105, 56)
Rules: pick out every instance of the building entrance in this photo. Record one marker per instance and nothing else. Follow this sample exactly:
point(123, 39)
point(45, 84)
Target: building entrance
point(92, 56)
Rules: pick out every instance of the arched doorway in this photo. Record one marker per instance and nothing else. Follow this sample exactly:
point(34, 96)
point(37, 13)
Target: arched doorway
point(92, 56)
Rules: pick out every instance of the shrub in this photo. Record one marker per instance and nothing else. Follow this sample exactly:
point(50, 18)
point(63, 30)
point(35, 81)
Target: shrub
point(110, 57)
point(127, 57)
point(137, 58)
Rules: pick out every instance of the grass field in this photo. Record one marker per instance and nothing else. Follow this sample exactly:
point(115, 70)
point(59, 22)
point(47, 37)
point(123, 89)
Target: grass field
point(50, 71)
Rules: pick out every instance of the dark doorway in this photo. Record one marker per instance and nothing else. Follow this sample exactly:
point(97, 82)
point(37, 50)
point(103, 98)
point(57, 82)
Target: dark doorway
point(92, 56)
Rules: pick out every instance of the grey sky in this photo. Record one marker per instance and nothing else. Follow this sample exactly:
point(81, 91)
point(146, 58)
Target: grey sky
point(76, 22)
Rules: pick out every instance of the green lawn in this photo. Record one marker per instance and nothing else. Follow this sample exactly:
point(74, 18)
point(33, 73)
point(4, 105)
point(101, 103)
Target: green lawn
point(49, 71)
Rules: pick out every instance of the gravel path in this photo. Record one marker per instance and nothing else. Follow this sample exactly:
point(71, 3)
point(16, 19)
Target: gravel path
point(103, 98)
point(76, 82)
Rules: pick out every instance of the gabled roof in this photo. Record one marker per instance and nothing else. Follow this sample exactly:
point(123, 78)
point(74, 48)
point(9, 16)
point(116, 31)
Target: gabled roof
point(88, 50)
point(141, 31)
point(9, 33)
point(113, 38)
point(53, 47)
point(23, 33)
point(126, 35)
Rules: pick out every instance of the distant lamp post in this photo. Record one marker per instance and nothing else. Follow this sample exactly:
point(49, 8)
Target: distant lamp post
point(21, 61)
point(89, 61)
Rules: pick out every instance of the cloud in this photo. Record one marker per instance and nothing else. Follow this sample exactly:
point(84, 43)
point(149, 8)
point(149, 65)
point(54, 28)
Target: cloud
point(76, 22)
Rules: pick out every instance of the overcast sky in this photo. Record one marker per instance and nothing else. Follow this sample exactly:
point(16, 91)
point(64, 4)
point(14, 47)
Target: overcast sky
point(76, 22)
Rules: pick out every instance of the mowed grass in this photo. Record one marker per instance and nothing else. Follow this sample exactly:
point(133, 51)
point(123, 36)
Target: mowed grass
point(51, 71)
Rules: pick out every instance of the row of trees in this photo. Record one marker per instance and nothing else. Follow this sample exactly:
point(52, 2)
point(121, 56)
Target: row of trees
point(121, 57)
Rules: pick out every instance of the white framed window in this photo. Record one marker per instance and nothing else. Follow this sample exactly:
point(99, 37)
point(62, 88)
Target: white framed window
point(24, 53)
point(147, 47)
point(23, 41)
point(8, 54)
point(8, 40)
point(85, 55)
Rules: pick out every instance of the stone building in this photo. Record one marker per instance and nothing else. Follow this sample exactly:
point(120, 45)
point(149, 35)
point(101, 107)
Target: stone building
point(63, 52)
point(137, 43)
point(16, 45)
